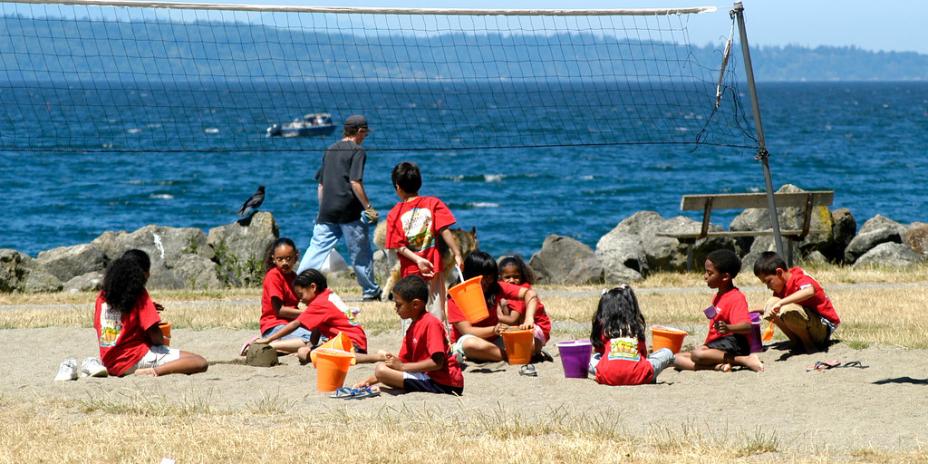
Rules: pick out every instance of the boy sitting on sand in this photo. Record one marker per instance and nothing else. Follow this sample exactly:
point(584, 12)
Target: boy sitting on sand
point(425, 363)
point(729, 323)
point(799, 306)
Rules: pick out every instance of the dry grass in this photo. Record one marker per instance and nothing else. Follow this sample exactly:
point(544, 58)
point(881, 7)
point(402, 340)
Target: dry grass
point(114, 428)
point(876, 307)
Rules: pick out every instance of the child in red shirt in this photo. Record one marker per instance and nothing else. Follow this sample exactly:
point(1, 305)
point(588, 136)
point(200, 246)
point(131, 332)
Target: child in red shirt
point(413, 226)
point(126, 323)
point(325, 316)
point(514, 271)
point(481, 340)
point(620, 355)
point(799, 306)
point(425, 363)
point(729, 325)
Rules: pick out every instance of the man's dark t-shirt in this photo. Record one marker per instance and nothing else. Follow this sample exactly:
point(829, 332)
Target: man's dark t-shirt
point(343, 162)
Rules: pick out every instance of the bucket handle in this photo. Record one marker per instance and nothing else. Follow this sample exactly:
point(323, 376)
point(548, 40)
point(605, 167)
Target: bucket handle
point(459, 273)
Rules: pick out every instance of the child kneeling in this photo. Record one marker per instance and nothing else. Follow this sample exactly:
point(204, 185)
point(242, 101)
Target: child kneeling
point(425, 363)
point(621, 357)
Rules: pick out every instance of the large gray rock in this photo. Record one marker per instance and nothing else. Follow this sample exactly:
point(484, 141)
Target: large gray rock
point(40, 281)
point(239, 249)
point(759, 245)
point(166, 246)
point(13, 269)
point(843, 230)
point(563, 260)
point(916, 238)
point(20, 273)
point(820, 224)
point(89, 282)
point(66, 263)
point(619, 254)
point(889, 255)
point(877, 230)
point(667, 253)
point(189, 271)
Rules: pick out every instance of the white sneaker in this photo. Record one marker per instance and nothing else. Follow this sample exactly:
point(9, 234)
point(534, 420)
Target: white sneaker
point(67, 370)
point(91, 367)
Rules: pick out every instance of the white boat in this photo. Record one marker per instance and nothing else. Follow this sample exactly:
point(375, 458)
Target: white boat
point(313, 124)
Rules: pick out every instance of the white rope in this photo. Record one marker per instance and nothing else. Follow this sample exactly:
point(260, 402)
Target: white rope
point(372, 10)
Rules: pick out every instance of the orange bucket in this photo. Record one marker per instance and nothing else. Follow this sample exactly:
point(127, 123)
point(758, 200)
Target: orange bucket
point(667, 337)
point(339, 342)
point(519, 344)
point(468, 295)
point(166, 332)
point(331, 368)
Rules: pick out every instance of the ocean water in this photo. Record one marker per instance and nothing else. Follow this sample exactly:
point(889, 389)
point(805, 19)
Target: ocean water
point(865, 141)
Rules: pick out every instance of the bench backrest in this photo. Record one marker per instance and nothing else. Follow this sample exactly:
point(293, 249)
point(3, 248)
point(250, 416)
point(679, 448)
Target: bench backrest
point(755, 200)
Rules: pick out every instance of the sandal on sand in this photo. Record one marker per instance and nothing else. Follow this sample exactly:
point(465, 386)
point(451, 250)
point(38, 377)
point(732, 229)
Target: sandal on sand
point(365, 392)
point(244, 350)
point(824, 365)
point(343, 392)
point(528, 370)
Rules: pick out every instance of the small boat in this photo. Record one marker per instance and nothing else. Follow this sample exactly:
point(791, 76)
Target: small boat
point(310, 125)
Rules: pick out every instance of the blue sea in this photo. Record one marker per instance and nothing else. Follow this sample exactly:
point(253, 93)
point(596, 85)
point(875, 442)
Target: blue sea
point(865, 141)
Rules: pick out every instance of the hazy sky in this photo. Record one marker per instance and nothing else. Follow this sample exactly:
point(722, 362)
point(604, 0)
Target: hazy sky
point(897, 25)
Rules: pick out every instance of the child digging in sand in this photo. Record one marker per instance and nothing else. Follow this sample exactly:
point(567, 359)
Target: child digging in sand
point(729, 325)
point(514, 271)
point(126, 322)
point(799, 306)
point(425, 363)
point(324, 316)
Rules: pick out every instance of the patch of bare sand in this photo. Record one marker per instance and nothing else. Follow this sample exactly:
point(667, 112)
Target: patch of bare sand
point(884, 406)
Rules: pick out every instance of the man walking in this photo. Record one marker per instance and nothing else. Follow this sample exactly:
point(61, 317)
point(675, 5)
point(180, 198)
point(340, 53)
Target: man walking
point(344, 209)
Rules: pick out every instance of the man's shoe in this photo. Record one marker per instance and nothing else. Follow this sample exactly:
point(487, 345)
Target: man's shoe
point(67, 370)
point(374, 297)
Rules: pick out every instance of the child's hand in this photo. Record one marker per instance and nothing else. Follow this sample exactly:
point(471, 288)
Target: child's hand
point(425, 268)
point(722, 327)
point(363, 383)
point(459, 261)
point(393, 362)
point(261, 340)
point(773, 308)
point(527, 326)
point(500, 328)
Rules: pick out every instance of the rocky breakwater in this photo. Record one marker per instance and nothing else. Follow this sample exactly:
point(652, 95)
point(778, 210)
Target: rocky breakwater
point(639, 245)
point(228, 256)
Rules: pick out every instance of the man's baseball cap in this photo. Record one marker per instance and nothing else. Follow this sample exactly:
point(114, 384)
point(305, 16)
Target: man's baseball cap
point(356, 121)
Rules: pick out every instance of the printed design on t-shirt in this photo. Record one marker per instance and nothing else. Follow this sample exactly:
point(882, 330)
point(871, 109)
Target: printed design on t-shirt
point(350, 313)
point(624, 349)
point(417, 225)
point(110, 326)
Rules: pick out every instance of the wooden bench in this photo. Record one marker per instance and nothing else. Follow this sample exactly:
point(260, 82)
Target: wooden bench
point(707, 203)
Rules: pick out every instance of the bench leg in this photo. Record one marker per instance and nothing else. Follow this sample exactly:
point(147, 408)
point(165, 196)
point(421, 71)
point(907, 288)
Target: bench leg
point(789, 253)
point(689, 257)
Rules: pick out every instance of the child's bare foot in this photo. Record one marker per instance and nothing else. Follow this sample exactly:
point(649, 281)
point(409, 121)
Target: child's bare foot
point(303, 355)
point(723, 367)
point(753, 363)
point(146, 372)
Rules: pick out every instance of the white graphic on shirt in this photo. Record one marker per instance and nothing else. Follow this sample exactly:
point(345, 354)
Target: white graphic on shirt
point(110, 326)
point(340, 304)
point(417, 225)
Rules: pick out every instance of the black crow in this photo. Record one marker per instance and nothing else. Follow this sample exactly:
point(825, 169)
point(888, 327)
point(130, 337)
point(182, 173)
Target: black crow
point(252, 203)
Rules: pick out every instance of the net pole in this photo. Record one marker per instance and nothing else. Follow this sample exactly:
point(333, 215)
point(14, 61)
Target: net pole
point(762, 154)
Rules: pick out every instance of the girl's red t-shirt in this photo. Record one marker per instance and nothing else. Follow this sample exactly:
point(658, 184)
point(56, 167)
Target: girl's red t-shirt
point(541, 317)
point(276, 285)
point(624, 363)
point(121, 337)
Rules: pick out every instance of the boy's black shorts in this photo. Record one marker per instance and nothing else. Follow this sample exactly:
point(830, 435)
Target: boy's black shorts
point(735, 345)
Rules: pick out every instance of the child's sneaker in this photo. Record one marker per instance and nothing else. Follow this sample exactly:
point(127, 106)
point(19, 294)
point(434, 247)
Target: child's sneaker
point(67, 370)
point(91, 367)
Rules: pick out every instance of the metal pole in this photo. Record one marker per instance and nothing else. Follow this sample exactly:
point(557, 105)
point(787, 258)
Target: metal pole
point(762, 154)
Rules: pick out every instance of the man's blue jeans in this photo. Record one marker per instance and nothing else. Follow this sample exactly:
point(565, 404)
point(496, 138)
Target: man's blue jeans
point(357, 238)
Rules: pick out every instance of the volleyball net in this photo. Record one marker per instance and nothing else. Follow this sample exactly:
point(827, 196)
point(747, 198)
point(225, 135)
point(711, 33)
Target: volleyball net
point(126, 76)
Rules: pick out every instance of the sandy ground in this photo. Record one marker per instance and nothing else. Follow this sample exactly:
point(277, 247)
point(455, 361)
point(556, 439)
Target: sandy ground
point(884, 406)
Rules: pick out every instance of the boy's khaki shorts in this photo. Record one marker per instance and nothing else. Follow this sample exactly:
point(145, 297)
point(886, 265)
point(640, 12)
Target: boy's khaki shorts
point(798, 318)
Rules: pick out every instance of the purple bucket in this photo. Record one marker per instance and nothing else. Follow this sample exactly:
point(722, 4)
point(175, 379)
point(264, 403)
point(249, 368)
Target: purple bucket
point(756, 344)
point(575, 357)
